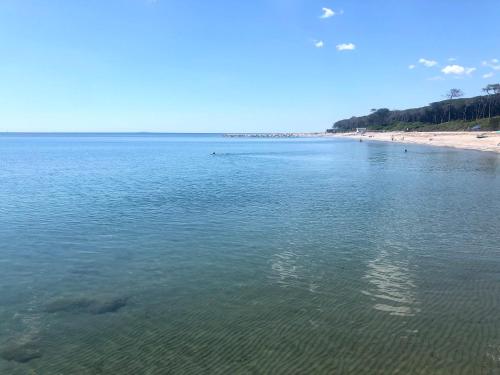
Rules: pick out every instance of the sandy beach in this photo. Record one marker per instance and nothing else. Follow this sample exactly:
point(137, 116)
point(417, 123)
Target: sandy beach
point(463, 140)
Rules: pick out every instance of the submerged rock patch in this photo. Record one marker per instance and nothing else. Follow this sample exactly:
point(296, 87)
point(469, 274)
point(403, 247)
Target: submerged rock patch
point(111, 306)
point(20, 352)
point(87, 305)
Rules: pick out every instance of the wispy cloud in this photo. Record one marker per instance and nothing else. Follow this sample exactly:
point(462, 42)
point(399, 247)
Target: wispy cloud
point(488, 75)
point(451, 59)
point(427, 63)
point(327, 13)
point(346, 47)
point(412, 66)
point(319, 44)
point(457, 70)
point(436, 78)
point(493, 64)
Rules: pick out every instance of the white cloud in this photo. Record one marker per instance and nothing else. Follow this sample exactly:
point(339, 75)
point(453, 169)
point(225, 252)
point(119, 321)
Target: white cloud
point(319, 44)
point(457, 70)
point(412, 66)
point(327, 13)
point(346, 47)
point(493, 64)
point(451, 59)
point(427, 63)
point(488, 75)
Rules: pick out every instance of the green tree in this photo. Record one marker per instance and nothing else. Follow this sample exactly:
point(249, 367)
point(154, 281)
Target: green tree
point(452, 94)
point(487, 90)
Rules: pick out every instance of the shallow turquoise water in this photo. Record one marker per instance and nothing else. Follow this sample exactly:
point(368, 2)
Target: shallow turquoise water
point(273, 256)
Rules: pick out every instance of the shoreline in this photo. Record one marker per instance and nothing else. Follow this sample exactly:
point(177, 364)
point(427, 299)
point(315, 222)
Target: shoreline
point(278, 135)
point(464, 140)
point(460, 140)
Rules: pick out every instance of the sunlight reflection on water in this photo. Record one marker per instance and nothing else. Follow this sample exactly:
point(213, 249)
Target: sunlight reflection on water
point(392, 284)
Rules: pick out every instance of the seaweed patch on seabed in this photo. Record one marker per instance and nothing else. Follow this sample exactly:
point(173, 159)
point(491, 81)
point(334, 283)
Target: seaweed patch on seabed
point(20, 352)
point(87, 305)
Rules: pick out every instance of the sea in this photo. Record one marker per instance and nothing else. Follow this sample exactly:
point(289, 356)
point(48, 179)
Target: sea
point(201, 254)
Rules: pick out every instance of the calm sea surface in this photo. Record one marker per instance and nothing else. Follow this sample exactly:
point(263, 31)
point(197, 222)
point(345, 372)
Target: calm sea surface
point(142, 254)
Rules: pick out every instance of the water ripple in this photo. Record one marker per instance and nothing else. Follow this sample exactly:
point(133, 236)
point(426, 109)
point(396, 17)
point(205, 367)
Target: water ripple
point(392, 287)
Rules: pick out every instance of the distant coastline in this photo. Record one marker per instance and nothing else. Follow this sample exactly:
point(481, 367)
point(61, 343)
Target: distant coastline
point(276, 135)
point(471, 140)
point(467, 140)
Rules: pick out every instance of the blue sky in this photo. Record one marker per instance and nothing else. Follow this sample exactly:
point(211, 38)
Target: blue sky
point(230, 66)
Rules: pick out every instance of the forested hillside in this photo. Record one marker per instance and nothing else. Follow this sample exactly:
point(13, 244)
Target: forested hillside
point(454, 113)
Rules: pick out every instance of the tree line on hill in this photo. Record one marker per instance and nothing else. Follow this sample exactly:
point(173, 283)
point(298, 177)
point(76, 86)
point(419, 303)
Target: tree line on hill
point(454, 113)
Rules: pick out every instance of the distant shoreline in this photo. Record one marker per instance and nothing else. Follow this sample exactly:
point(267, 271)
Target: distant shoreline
point(461, 140)
point(277, 135)
point(488, 141)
